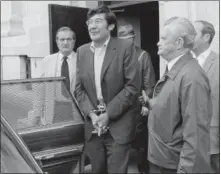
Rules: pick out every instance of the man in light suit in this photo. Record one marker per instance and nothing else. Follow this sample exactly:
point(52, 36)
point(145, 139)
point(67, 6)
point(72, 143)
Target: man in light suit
point(59, 64)
point(107, 74)
point(209, 61)
point(52, 64)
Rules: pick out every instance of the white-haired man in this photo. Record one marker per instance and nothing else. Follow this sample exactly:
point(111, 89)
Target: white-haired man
point(180, 111)
point(209, 61)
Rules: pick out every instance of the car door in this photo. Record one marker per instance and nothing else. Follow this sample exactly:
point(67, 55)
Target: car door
point(15, 156)
point(47, 117)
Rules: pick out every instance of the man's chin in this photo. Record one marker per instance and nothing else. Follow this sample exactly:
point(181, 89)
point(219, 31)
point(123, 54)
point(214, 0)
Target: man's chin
point(95, 38)
point(159, 53)
point(66, 52)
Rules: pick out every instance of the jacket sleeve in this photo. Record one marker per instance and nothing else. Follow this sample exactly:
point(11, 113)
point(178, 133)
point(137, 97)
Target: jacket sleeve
point(127, 96)
point(196, 113)
point(80, 93)
point(214, 83)
point(148, 74)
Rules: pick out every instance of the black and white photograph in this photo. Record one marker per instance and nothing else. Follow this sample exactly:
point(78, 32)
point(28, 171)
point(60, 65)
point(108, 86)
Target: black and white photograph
point(110, 87)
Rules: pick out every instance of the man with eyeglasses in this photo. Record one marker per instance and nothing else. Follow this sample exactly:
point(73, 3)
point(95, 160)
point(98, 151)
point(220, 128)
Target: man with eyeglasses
point(62, 63)
point(107, 88)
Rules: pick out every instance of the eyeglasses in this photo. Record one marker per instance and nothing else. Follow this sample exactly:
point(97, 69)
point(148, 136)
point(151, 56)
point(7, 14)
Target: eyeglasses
point(68, 39)
point(96, 21)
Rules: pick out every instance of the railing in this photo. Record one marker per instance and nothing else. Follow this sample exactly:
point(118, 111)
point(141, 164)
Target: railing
point(20, 67)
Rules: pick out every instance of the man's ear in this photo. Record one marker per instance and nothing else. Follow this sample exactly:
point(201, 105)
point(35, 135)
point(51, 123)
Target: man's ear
point(179, 42)
point(111, 27)
point(206, 37)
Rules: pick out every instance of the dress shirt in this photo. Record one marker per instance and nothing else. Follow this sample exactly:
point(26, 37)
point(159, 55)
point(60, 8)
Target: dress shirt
point(99, 54)
point(202, 57)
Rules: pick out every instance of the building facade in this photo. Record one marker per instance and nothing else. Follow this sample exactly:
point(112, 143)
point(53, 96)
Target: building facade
point(25, 27)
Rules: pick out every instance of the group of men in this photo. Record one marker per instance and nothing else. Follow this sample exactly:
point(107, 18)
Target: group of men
point(176, 119)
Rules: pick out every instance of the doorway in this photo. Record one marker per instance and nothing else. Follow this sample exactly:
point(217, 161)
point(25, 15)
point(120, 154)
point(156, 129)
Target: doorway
point(144, 17)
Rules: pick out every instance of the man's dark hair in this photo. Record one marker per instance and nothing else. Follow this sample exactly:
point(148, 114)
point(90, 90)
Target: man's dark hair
point(109, 16)
point(208, 28)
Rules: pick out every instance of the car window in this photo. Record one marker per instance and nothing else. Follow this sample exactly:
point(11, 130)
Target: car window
point(11, 159)
point(38, 103)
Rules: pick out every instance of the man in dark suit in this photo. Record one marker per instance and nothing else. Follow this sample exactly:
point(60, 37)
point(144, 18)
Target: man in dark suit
point(209, 61)
point(107, 74)
point(180, 111)
point(147, 77)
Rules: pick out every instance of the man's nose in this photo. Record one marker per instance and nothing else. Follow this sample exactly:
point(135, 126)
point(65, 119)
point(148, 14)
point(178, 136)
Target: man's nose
point(65, 41)
point(158, 43)
point(92, 25)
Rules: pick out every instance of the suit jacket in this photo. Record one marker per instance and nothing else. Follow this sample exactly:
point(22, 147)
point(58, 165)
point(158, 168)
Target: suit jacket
point(211, 67)
point(49, 66)
point(120, 86)
point(179, 122)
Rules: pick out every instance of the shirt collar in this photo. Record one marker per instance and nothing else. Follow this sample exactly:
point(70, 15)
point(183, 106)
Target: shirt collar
point(204, 54)
point(172, 62)
point(193, 54)
point(184, 59)
point(202, 57)
point(92, 47)
point(60, 56)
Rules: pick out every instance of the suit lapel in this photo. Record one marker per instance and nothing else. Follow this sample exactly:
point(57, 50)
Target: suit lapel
point(208, 62)
point(110, 53)
point(72, 70)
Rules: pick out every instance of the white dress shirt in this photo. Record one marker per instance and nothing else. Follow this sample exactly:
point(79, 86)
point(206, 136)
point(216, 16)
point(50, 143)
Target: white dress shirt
point(202, 57)
point(99, 54)
point(172, 62)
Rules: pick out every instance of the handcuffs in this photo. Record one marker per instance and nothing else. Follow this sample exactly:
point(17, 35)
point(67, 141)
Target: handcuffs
point(101, 109)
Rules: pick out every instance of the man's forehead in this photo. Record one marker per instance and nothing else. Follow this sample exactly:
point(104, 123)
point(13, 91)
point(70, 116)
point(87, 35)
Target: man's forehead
point(66, 33)
point(98, 16)
point(170, 31)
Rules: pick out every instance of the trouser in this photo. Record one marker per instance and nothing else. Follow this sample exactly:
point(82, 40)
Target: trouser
point(106, 155)
point(141, 142)
point(157, 169)
point(215, 163)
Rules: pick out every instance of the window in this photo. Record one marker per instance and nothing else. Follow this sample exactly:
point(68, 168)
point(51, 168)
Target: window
point(45, 103)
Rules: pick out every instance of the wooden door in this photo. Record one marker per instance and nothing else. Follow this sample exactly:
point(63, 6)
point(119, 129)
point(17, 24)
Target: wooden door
point(73, 17)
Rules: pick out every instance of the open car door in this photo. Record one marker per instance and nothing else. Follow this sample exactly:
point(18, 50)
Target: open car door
point(47, 117)
point(15, 156)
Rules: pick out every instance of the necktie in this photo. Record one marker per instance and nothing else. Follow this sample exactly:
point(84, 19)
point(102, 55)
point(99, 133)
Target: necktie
point(65, 73)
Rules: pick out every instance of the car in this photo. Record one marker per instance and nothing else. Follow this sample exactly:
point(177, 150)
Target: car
point(15, 156)
point(46, 116)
